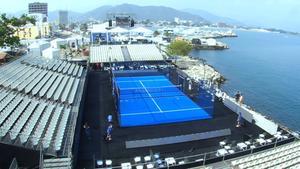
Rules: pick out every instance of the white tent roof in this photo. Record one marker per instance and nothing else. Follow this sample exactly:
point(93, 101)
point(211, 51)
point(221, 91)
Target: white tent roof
point(51, 50)
point(118, 30)
point(58, 40)
point(141, 30)
point(139, 37)
point(99, 28)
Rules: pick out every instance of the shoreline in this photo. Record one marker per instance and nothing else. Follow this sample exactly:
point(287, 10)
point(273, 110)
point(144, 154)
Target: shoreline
point(195, 68)
point(198, 70)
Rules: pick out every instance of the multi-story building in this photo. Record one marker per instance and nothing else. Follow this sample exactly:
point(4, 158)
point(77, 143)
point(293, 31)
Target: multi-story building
point(30, 31)
point(63, 18)
point(41, 28)
point(38, 7)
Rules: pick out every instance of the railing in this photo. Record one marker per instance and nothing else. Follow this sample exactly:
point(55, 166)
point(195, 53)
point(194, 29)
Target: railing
point(213, 89)
point(14, 164)
point(68, 144)
point(29, 143)
point(207, 158)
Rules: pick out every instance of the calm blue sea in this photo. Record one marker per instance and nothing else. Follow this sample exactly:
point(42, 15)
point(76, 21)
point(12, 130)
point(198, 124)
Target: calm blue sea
point(265, 67)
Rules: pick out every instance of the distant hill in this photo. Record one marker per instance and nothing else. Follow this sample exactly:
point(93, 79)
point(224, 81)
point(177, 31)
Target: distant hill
point(213, 18)
point(143, 12)
point(154, 13)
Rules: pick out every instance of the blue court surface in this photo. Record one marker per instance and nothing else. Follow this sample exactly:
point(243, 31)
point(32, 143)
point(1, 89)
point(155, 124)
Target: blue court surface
point(150, 100)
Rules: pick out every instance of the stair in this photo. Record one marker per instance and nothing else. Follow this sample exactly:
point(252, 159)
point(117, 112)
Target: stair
point(54, 163)
point(126, 54)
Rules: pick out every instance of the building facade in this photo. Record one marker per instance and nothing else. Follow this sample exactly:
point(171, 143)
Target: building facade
point(38, 7)
point(63, 18)
point(30, 31)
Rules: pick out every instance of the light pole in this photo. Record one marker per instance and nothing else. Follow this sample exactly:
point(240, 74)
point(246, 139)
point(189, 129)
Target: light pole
point(204, 69)
point(109, 57)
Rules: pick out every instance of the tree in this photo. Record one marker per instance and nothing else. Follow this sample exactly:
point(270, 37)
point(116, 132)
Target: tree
point(167, 33)
point(63, 46)
point(84, 27)
point(62, 26)
point(8, 28)
point(72, 26)
point(179, 47)
point(156, 33)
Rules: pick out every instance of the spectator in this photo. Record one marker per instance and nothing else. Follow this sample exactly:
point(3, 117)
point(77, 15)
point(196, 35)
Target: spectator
point(237, 96)
point(87, 130)
point(239, 120)
point(109, 118)
point(241, 99)
point(108, 132)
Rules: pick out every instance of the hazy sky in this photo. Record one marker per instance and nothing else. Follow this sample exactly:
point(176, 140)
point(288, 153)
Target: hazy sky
point(271, 13)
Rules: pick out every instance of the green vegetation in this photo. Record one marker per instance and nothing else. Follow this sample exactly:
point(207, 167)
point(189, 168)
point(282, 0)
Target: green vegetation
point(62, 26)
point(179, 47)
point(221, 80)
point(84, 27)
point(167, 34)
point(63, 46)
point(72, 26)
point(156, 33)
point(8, 28)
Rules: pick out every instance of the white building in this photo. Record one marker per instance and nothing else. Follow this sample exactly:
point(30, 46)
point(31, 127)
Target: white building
point(51, 53)
point(39, 18)
point(36, 48)
point(176, 20)
point(56, 43)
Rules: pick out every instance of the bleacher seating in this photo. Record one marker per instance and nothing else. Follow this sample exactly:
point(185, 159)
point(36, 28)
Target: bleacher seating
point(40, 80)
point(42, 124)
point(62, 127)
point(144, 52)
point(32, 122)
point(67, 90)
point(280, 157)
point(23, 118)
point(52, 126)
point(73, 92)
point(54, 65)
point(113, 53)
point(36, 97)
point(106, 53)
point(61, 163)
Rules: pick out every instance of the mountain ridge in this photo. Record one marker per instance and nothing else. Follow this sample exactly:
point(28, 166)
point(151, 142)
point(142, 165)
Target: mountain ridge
point(143, 12)
point(213, 17)
point(150, 12)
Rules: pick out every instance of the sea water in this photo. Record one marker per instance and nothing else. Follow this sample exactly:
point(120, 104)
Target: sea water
point(265, 67)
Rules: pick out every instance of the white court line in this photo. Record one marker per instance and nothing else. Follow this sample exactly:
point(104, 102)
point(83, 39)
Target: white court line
point(167, 111)
point(128, 81)
point(151, 97)
point(170, 86)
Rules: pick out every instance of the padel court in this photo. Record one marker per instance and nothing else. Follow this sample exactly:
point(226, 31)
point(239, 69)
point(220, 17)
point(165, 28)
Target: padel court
point(151, 100)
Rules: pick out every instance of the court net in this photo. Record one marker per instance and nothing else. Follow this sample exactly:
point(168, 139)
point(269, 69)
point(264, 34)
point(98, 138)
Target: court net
point(149, 92)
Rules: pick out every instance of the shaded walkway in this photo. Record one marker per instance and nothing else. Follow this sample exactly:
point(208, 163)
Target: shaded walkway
point(98, 104)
